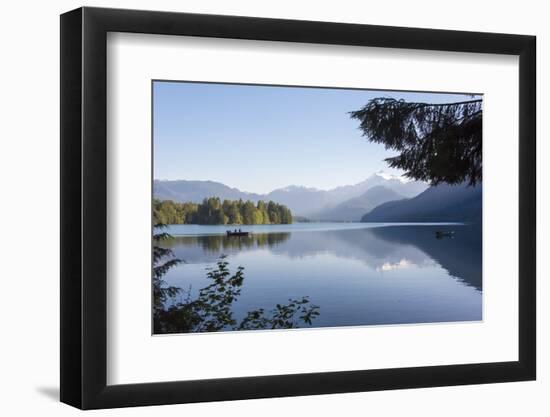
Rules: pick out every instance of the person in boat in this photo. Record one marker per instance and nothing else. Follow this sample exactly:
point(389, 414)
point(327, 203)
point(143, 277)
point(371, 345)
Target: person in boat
point(239, 230)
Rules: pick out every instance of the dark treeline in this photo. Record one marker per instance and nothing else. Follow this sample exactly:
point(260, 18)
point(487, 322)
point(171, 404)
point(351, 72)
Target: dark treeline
point(213, 211)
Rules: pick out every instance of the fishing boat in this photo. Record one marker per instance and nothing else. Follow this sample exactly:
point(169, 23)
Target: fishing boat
point(236, 233)
point(441, 234)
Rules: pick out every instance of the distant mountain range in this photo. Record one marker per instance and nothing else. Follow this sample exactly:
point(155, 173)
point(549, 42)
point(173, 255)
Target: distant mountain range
point(380, 198)
point(195, 191)
point(441, 203)
point(352, 210)
point(344, 203)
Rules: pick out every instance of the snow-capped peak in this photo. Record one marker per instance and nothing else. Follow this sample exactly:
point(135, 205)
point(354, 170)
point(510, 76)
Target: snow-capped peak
point(388, 176)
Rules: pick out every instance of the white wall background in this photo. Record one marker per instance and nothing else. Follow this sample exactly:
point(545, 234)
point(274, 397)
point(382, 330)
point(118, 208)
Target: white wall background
point(29, 172)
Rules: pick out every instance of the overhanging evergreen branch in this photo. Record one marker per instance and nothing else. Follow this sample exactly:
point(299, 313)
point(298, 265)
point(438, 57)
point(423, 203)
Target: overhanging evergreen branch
point(439, 142)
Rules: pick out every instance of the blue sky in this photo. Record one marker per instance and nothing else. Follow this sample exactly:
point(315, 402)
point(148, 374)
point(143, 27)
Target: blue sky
point(259, 138)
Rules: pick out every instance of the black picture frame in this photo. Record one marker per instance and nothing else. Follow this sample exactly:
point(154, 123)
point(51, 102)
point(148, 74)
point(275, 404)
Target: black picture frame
point(84, 207)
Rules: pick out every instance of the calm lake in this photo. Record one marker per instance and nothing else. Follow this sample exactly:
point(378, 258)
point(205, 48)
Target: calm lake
point(357, 273)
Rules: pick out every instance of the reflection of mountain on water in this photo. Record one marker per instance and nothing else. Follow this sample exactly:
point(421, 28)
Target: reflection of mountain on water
point(460, 255)
point(358, 244)
point(396, 247)
point(383, 248)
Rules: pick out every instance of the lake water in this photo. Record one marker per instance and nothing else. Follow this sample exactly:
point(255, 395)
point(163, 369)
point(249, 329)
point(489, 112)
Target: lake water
point(357, 273)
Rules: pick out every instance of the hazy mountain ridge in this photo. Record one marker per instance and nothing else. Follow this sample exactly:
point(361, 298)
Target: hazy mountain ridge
point(195, 191)
point(355, 208)
point(441, 203)
point(302, 201)
point(405, 188)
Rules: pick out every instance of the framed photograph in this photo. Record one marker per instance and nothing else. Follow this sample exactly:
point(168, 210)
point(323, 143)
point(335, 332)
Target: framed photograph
point(256, 208)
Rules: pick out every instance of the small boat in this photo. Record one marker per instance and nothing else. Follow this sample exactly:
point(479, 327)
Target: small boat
point(236, 233)
point(440, 234)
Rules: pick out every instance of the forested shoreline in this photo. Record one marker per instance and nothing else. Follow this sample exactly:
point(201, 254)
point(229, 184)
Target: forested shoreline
point(213, 211)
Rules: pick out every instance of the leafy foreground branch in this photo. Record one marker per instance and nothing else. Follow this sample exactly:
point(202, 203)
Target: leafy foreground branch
point(436, 142)
point(212, 311)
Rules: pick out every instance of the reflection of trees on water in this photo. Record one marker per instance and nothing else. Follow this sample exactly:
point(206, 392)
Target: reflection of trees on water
point(211, 310)
point(221, 243)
